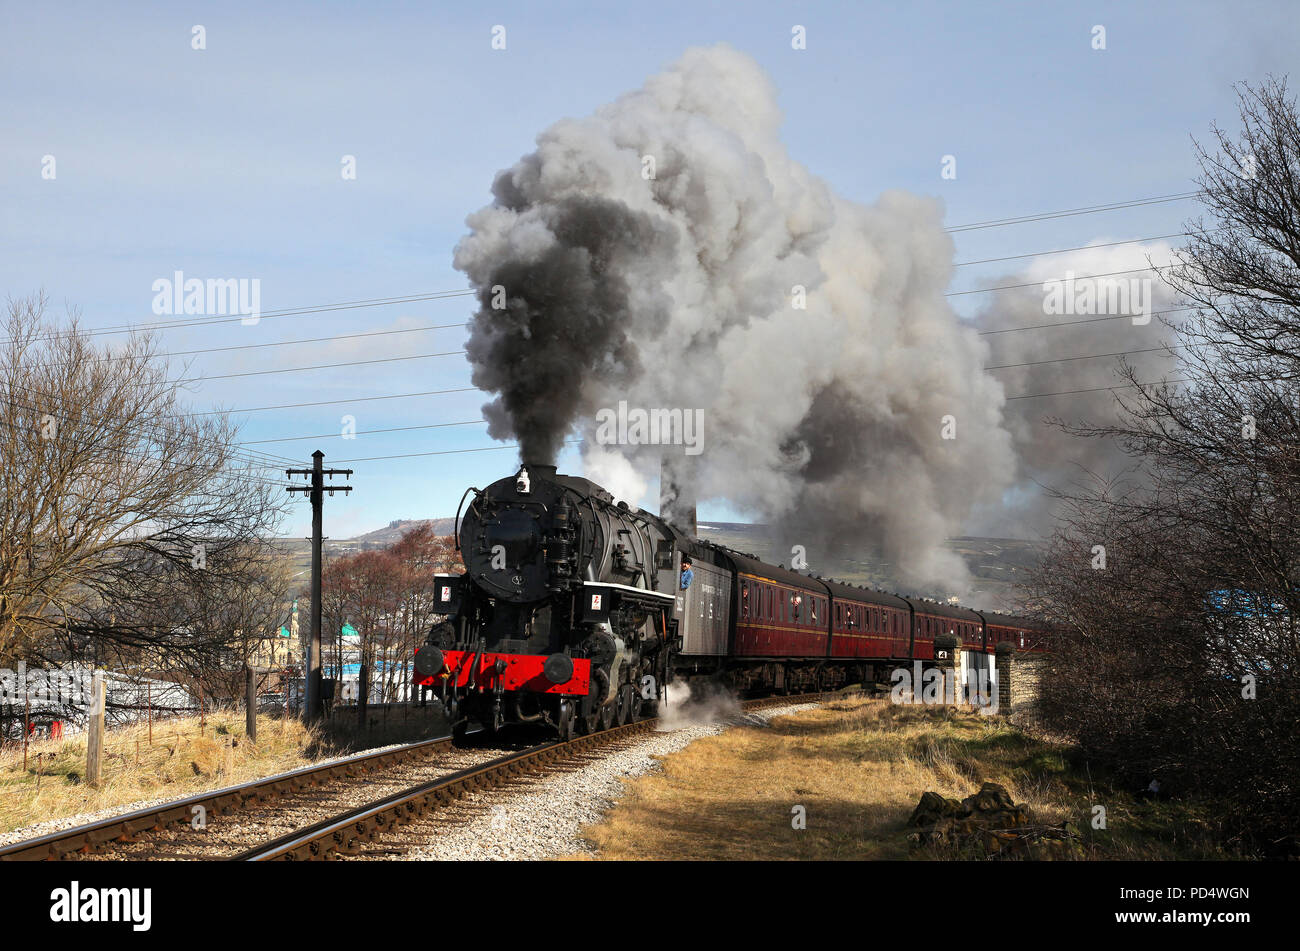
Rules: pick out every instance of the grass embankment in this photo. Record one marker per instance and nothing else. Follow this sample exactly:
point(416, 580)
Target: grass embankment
point(858, 767)
point(185, 757)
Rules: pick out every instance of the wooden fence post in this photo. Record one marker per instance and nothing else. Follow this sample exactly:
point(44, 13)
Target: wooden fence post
point(250, 700)
point(95, 741)
point(363, 695)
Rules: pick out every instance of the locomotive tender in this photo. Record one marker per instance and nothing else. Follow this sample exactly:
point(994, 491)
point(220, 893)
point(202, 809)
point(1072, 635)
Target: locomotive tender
point(573, 612)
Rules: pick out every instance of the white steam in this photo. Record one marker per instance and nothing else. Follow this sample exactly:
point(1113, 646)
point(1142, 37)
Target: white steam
point(706, 705)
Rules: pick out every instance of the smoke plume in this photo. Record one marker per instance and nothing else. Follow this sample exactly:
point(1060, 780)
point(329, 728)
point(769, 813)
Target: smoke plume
point(1059, 374)
point(668, 252)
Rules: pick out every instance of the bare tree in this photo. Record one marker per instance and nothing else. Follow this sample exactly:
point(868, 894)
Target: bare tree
point(1177, 593)
point(421, 554)
point(116, 502)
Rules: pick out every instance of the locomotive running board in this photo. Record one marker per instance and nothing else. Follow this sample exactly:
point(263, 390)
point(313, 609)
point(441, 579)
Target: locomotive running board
point(598, 599)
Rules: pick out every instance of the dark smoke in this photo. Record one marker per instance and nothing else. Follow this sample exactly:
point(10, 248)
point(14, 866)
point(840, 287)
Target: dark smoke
point(568, 311)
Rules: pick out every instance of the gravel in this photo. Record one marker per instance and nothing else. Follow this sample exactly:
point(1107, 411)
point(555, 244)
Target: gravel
point(546, 819)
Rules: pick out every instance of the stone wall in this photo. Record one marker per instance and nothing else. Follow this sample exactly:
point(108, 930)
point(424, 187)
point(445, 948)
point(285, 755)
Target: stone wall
point(1018, 679)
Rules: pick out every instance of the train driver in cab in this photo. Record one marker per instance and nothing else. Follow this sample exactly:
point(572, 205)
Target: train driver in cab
point(687, 575)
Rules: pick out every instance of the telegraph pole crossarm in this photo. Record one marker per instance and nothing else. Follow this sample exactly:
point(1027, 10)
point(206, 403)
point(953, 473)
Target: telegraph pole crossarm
point(316, 490)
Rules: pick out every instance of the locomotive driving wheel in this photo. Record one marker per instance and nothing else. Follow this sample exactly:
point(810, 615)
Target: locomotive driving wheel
point(623, 715)
point(588, 724)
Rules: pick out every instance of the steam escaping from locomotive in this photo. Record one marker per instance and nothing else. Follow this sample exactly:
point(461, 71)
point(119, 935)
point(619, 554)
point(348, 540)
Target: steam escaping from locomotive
point(668, 252)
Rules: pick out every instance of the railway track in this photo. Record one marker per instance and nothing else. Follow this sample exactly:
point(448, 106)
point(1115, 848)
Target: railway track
point(362, 797)
point(178, 817)
point(350, 833)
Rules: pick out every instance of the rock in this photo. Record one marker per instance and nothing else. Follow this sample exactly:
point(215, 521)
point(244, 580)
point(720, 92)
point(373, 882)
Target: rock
point(989, 824)
point(932, 808)
point(991, 798)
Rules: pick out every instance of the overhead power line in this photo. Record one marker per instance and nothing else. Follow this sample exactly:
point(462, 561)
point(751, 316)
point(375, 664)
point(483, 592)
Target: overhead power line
point(1084, 247)
point(365, 432)
point(1095, 389)
point(347, 399)
point(1069, 212)
point(42, 403)
point(1094, 356)
point(1049, 280)
point(198, 321)
point(269, 343)
point(320, 366)
point(1086, 320)
point(444, 452)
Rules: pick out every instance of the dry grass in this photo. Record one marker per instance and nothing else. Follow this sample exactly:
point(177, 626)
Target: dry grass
point(184, 758)
point(858, 767)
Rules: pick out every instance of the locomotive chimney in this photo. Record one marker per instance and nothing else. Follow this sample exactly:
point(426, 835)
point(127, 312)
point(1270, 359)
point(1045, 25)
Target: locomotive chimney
point(676, 502)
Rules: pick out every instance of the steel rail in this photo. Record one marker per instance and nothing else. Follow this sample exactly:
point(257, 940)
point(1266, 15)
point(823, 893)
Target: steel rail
point(123, 828)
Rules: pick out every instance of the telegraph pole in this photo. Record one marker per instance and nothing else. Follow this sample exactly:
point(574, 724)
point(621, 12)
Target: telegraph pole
point(311, 710)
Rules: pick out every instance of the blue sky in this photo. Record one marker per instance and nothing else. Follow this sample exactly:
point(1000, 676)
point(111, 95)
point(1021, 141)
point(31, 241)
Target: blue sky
point(225, 162)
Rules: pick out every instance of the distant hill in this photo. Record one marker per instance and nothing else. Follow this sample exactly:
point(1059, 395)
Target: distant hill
point(390, 533)
point(298, 550)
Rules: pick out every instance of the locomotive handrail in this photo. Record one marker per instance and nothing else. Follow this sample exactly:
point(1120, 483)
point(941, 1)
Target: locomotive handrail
point(455, 528)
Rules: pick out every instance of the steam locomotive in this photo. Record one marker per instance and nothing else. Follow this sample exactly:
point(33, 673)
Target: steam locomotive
point(574, 613)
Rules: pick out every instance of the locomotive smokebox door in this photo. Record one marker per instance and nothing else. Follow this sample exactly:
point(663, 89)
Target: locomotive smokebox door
point(447, 593)
point(595, 603)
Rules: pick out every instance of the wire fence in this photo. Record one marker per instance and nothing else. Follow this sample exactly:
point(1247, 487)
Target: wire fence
point(54, 705)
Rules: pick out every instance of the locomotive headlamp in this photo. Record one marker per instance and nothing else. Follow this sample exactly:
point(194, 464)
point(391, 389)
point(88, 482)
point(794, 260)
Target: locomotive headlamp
point(428, 661)
point(558, 668)
point(522, 484)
